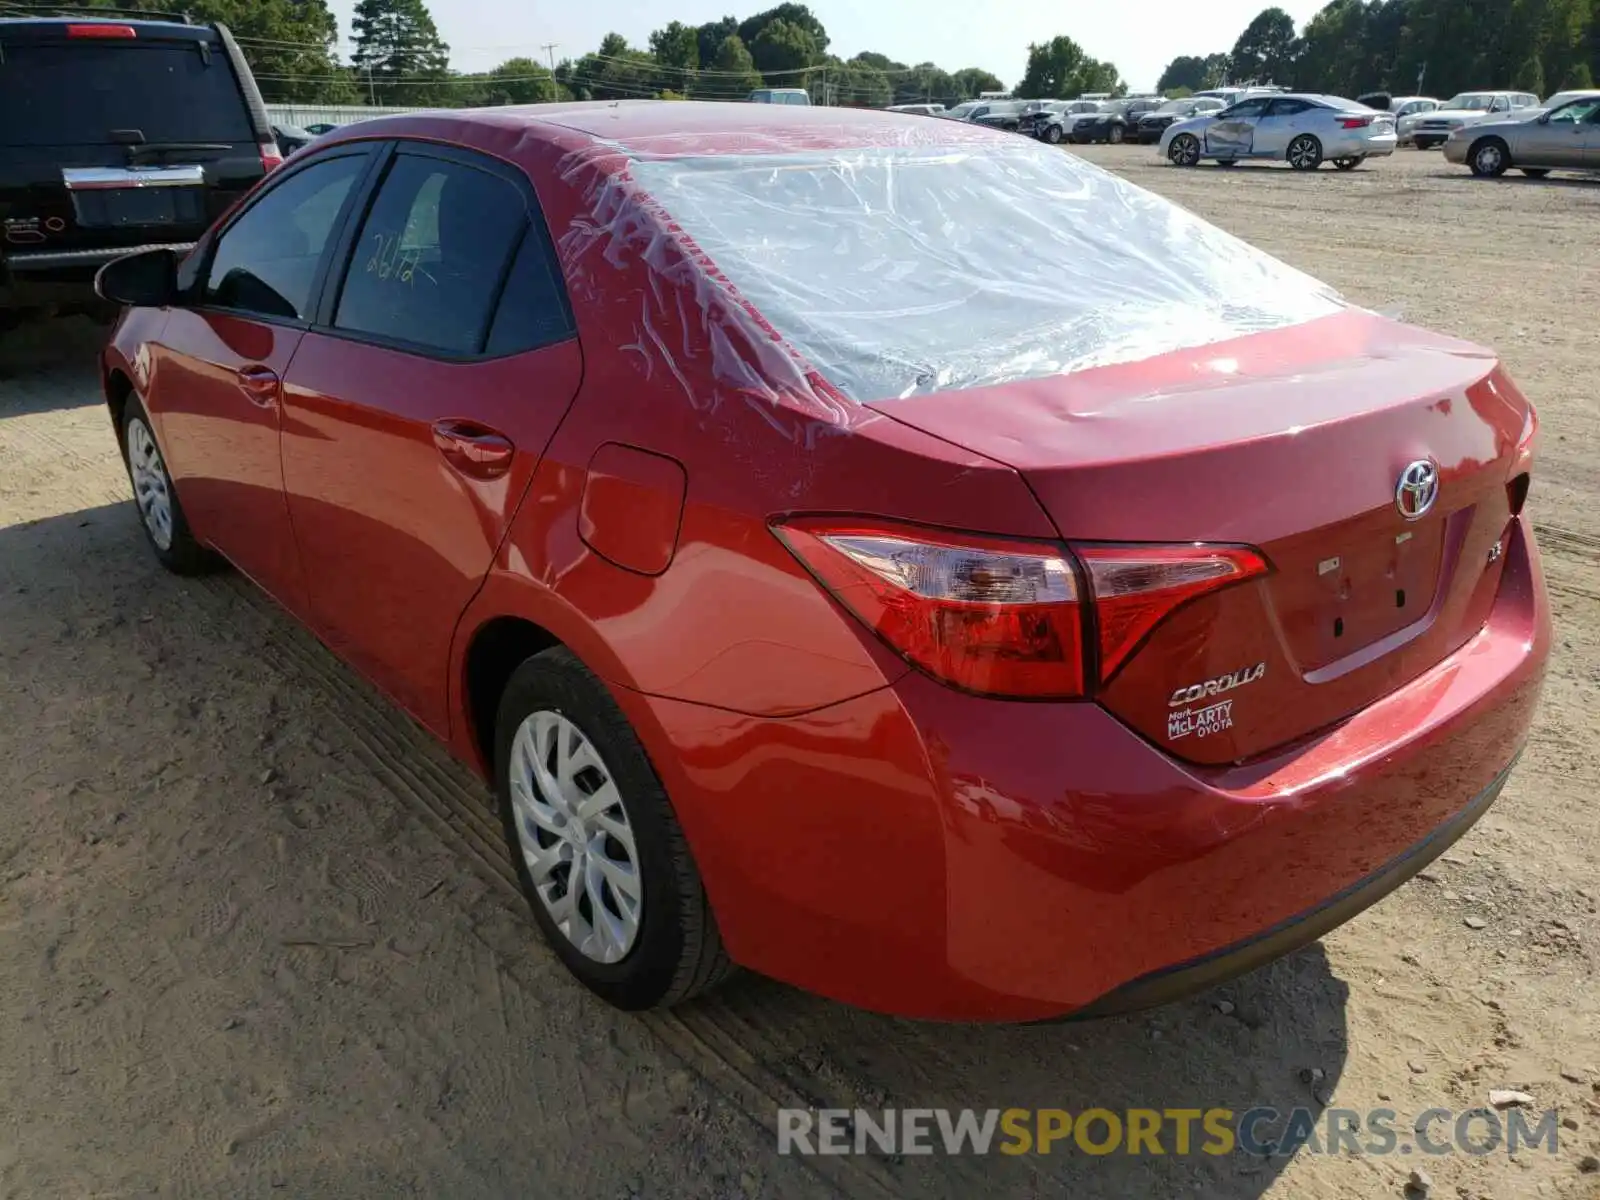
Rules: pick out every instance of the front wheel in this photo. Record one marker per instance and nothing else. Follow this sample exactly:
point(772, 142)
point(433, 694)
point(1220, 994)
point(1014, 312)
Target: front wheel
point(1489, 158)
point(1052, 134)
point(1116, 135)
point(160, 513)
point(596, 845)
point(1184, 150)
point(1351, 163)
point(1305, 153)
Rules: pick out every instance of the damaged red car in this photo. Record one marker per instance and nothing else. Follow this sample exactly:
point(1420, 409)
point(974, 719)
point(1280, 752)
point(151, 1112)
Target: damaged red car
point(892, 556)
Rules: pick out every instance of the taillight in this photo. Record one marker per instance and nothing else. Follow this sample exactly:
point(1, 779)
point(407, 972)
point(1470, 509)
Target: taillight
point(271, 156)
point(1137, 587)
point(984, 614)
point(1354, 122)
point(1005, 617)
point(102, 31)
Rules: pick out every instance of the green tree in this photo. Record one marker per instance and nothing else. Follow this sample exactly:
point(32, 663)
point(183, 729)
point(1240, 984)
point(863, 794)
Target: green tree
point(1059, 69)
point(1267, 48)
point(710, 36)
point(399, 56)
point(1185, 71)
point(781, 50)
point(616, 71)
point(676, 49)
point(880, 62)
point(971, 82)
point(795, 14)
point(735, 71)
point(926, 84)
point(517, 81)
point(856, 84)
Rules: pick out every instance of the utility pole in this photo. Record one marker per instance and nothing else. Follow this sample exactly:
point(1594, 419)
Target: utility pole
point(372, 92)
point(550, 49)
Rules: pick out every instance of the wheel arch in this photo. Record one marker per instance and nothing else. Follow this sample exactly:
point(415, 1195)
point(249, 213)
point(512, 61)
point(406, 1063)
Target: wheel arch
point(118, 388)
point(496, 648)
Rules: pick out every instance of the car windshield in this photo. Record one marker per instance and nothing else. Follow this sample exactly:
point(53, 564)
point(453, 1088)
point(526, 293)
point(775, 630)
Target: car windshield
point(1471, 101)
point(1177, 106)
point(910, 269)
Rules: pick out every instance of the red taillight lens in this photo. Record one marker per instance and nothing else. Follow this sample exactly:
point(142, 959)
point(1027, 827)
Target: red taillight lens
point(985, 614)
point(1137, 587)
point(1354, 122)
point(102, 31)
point(1005, 617)
point(271, 156)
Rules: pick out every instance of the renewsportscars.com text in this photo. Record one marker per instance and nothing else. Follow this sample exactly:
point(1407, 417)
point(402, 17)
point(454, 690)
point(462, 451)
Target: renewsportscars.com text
point(1263, 1132)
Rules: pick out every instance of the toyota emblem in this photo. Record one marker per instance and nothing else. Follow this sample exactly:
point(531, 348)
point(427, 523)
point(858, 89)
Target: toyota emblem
point(1417, 490)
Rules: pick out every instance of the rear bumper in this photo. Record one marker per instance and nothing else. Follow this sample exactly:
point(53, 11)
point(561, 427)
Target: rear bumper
point(39, 278)
point(925, 852)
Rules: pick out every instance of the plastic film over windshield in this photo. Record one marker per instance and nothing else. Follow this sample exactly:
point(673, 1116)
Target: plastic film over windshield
point(901, 270)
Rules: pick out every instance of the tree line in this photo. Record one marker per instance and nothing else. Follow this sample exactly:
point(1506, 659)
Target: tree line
point(1434, 47)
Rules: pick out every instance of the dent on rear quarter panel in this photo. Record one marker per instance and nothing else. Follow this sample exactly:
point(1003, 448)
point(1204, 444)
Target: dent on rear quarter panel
point(675, 366)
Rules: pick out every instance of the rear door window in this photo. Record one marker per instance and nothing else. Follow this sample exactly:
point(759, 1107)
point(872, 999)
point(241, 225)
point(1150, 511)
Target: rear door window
point(432, 254)
point(266, 261)
point(75, 93)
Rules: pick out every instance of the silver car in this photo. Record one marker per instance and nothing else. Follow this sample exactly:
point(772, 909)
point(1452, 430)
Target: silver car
point(1563, 138)
point(1301, 129)
point(1464, 109)
point(1407, 111)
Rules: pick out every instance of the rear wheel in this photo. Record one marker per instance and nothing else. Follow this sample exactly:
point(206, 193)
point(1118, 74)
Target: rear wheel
point(160, 513)
point(1489, 158)
point(597, 848)
point(1116, 135)
point(1535, 172)
point(1305, 153)
point(1184, 150)
point(1349, 164)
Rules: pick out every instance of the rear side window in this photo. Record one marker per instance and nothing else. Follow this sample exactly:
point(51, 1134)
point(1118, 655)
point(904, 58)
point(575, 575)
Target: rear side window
point(266, 261)
point(533, 310)
point(431, 256)
point(75, 93)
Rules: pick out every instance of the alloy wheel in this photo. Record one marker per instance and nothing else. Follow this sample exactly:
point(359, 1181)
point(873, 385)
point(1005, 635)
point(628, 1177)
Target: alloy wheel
point(152, 491)
point(575, 837)
point(1488, 159)
point(1304, 154)
point(1184, 151)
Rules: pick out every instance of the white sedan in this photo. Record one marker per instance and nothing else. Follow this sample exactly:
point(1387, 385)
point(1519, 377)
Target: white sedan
point(1303, 130)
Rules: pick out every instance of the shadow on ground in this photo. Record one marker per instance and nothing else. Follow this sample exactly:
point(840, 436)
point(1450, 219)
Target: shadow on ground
point(234, 913)
point(51, 364)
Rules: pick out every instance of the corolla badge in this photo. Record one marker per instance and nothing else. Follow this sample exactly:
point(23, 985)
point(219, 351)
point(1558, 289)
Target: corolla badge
point(1417, 490)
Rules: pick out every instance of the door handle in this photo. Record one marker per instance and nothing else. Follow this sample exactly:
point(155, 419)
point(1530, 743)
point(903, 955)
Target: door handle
point(259, 383)
point(476, 451)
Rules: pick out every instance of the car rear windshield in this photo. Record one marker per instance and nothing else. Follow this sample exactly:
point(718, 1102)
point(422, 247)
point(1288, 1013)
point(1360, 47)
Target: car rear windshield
point(904, 270)
point(75, 93)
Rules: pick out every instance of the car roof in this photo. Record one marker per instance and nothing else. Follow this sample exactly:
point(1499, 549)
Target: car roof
point(683, 127)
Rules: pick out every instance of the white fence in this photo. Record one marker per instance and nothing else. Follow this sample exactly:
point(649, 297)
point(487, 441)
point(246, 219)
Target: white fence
point(302, 115)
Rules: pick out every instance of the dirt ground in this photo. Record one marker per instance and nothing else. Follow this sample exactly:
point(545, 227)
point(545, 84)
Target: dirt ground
point(258, 937)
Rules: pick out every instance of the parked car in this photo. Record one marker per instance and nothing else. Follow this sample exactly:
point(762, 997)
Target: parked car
point(1003, 114)
point(1407, 111)
point(1563, 98)
point(321, 128)
point(291, 138)
point(918, 110)
point(1563, 138)
point(1053, 123)
point(1044, 113)
point(780, 96)
point(1466, 108)
point(117, 133)
point(972, 110)
point(982, 614)
point(1303, 130)
point(1152, 124)
point(1116, 122)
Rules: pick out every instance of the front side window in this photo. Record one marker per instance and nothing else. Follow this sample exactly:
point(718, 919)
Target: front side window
point(266, 262)
point(1578, 110)
point(429, 259)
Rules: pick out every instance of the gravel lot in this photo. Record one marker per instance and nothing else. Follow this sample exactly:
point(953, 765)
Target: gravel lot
point(257, 936)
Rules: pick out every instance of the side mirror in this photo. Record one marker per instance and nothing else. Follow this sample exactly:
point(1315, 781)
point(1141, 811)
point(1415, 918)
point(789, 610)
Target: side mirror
point(148, 279)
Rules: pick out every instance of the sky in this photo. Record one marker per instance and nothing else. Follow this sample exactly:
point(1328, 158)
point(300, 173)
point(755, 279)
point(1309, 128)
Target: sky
point(1140, 38)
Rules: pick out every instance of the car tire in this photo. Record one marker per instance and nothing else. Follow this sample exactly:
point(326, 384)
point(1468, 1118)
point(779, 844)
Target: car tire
point(669, 949)
point(1052, 134)
point(1184, 150)
point(1115, 135)
point(1351, 163)
point(155, 497)
point(1535, 172)
point(1489, 157)
point(1304, 153)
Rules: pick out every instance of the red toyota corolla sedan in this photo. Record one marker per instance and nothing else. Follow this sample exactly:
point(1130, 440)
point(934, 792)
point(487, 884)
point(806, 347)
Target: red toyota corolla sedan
point(891, 555)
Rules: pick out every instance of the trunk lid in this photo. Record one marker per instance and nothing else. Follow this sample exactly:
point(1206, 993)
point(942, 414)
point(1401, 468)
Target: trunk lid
point(1293, 442)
